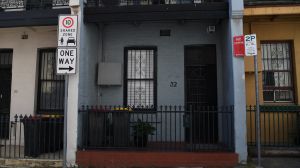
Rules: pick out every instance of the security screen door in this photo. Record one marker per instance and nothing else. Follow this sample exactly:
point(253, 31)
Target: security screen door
point(201, 93)
point(5, 80)
point(5, 90)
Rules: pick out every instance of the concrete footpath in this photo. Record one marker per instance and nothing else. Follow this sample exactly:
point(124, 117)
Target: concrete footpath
point(280, 162)
point(267, 162)
point(29, 163)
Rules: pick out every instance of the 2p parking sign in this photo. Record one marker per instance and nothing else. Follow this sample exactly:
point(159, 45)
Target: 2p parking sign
point(250, 45)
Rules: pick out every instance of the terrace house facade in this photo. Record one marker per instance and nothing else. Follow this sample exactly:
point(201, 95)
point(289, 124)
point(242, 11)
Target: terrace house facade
point(29, 85)
point(167, 65)
point(276, 25)
point(163, 66)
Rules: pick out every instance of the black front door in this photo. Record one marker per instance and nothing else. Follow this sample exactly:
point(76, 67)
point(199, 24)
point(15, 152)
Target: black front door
point(201, 94)
point(5, 91)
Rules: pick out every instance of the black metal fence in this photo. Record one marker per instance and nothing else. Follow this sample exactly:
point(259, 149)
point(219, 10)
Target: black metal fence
point(145, 2)
point(164, 128)
point(270, 2)
point(32, 4)
point(31, 137)
point(279, 126)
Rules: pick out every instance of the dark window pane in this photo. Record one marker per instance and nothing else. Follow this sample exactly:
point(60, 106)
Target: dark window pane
point(6, 57)
point(268, 95)
point(269, 78)
point(52, 92)
point(51, 86)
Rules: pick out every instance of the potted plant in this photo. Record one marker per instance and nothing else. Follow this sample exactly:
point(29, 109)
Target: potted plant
point(141, 130)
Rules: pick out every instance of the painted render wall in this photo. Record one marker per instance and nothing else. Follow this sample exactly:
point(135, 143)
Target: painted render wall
point(170, 55)
point(276, 30)
point(88, 65)
point(236, 83)
point(170, 60)
point(24, 65)
point(236, 77)
point(88, 61)
point(272, 31)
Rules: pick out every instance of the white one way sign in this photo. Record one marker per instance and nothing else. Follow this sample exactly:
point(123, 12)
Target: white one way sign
point(66, 61)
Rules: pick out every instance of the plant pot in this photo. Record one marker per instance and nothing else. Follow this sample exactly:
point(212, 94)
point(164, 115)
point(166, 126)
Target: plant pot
point(141, 141)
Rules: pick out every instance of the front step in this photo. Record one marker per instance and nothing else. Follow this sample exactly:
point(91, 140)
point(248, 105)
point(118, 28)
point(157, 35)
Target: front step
point(22, 163)
point(124, 159)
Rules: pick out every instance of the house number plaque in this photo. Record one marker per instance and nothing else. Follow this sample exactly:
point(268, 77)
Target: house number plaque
point(173, 84)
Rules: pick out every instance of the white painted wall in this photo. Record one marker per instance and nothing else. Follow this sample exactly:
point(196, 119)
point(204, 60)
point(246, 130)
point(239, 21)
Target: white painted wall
point(24, 66)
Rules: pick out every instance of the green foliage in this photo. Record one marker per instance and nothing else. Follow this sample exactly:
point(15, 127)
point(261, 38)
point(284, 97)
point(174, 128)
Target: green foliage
point(143, 128)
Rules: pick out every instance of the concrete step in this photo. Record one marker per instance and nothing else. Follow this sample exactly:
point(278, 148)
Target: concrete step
point(28, 163)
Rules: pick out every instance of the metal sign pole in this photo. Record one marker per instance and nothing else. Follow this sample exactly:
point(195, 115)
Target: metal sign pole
point(257, 113)
point(66, 61)
point(65, 121)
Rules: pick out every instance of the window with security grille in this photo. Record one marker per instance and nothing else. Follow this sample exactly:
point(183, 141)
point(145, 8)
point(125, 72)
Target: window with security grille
point(277, 72)
point(140, 77)
point(51, 87)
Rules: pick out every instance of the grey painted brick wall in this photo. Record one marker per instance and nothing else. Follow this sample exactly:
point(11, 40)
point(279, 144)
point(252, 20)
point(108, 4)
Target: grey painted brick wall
point(88, 61)
point(170, 57)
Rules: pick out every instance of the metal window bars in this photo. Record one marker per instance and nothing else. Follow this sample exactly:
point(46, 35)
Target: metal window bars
point(32, 4)
point(277, 72)
point(140, 79)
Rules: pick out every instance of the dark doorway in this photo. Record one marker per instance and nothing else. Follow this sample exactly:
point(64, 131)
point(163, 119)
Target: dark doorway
point(201, 94)
point(5, 91)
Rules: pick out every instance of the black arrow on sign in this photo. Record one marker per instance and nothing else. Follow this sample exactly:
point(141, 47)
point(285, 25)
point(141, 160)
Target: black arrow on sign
point(70, 68)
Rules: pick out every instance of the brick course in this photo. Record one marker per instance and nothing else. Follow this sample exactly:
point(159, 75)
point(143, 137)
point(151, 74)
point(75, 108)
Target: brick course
point(120, 159)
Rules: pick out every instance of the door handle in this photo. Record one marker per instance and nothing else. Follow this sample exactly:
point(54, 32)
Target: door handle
point(0, 96)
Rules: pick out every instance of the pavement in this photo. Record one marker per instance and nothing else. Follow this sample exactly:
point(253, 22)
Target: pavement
point(273, 162)
point(280, 162)
point(267, 162)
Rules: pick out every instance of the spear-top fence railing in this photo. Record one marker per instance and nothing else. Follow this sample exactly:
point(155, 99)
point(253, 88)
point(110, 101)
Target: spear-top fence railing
point(163, 128)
